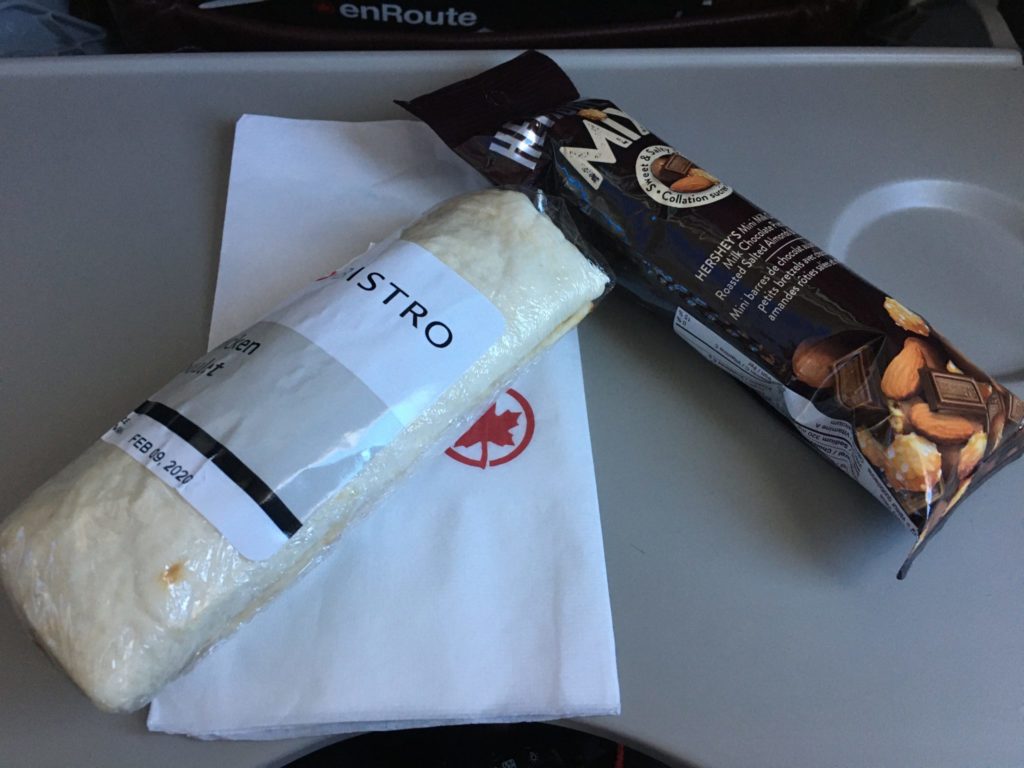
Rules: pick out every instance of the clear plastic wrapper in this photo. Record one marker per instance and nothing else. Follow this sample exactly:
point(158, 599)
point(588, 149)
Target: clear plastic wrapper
point(865, 380)
point(213, 495)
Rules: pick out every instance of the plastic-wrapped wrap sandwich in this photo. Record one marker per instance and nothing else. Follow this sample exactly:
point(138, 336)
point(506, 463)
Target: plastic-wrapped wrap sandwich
point(864, 379)
point(214, 494)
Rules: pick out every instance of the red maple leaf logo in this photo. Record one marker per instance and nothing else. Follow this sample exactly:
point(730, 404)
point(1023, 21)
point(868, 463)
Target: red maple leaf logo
point(503, 430)
point(492, 427)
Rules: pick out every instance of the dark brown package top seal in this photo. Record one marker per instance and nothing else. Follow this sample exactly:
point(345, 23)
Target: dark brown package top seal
point(864, 379)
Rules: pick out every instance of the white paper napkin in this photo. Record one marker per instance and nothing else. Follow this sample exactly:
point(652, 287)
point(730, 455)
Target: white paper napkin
point(477, 592)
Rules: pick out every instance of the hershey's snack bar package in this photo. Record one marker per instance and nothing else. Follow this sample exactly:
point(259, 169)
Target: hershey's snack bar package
point(865, 380)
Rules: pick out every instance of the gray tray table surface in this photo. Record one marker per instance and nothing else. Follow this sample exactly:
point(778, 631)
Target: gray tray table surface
point(758, 619)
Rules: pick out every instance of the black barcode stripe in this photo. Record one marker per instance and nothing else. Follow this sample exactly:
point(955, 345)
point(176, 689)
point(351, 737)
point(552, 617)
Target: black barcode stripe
point(232, 467)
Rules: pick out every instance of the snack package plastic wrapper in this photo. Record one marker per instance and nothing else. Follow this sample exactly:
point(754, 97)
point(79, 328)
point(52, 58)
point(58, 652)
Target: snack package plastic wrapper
point(866, 380)
point(215, 493)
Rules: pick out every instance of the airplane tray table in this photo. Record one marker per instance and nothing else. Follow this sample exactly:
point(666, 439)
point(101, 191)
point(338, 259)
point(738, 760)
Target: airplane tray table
point(757, 613)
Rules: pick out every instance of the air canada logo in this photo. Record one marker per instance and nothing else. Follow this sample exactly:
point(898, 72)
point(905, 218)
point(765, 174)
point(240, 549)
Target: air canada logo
point(499, 436)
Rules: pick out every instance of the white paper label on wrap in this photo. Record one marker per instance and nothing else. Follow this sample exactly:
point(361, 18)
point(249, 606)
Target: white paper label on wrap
point(273, 422)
